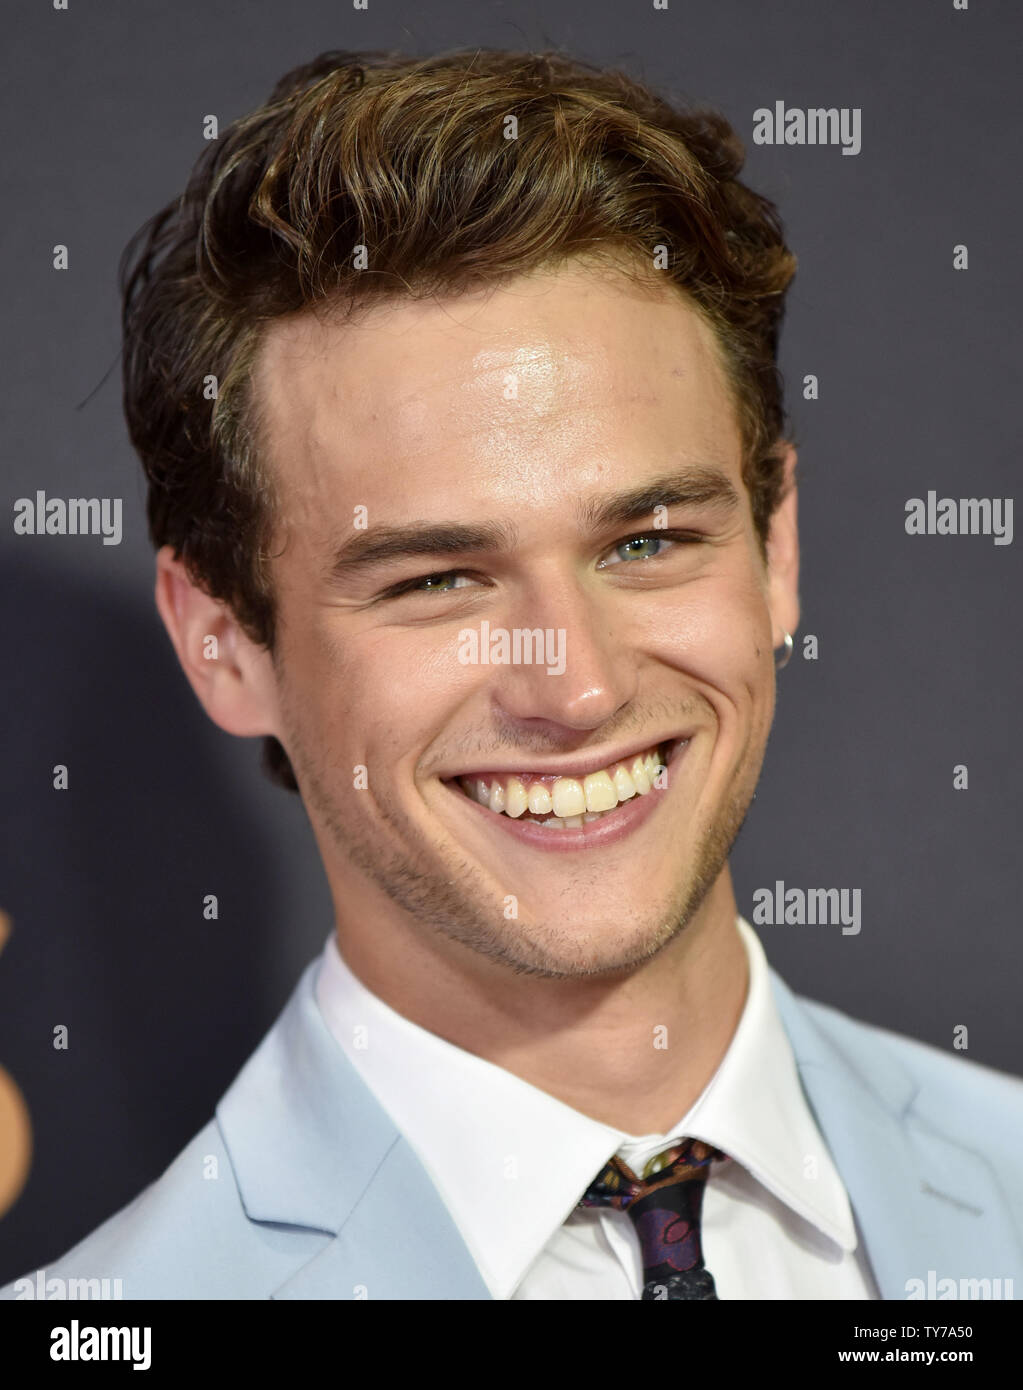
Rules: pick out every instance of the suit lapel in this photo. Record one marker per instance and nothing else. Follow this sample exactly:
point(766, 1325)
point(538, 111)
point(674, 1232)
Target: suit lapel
point(311, 1147)
point(398, 1243)
point(923, 1201)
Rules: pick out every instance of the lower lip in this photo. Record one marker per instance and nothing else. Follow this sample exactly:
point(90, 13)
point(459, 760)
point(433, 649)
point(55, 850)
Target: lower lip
point(594, 834)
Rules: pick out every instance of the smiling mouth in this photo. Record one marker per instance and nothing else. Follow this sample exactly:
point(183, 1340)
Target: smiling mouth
point(568, 803)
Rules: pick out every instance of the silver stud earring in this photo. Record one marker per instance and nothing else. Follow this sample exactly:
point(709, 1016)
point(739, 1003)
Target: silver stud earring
point(779, 665)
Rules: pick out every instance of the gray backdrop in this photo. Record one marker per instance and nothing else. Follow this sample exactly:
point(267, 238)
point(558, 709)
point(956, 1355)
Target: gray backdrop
point(919, 660)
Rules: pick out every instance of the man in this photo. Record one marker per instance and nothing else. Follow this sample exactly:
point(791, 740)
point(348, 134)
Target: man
point(491, 532)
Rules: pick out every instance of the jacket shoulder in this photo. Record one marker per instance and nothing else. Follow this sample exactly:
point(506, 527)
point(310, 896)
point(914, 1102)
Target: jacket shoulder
point(186, 1235)
point(979, 1105)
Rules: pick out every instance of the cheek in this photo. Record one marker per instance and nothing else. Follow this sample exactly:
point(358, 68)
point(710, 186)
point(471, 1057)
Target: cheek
point(379, 689)
point(719, 633)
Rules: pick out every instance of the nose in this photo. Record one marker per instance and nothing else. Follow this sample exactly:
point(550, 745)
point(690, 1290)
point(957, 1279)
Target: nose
point(589, 671)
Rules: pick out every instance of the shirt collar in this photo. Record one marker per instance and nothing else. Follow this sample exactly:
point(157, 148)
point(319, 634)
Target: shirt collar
point(511, 1161)
point(754, 1109)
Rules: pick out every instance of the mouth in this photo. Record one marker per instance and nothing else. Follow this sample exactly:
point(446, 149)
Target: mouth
point(562, 802)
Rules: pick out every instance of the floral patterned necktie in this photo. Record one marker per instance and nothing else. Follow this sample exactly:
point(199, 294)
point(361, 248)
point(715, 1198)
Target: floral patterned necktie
point(665, 1209)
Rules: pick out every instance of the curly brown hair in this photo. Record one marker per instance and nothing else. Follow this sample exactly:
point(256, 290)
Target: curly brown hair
point(411, 159)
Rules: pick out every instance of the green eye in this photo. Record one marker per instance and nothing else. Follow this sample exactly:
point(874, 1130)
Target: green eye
point(633, 549)
point(435, 581)
point(651, 547)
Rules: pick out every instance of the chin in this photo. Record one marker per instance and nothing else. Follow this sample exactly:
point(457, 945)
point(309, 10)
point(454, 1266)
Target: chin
point(596, 949)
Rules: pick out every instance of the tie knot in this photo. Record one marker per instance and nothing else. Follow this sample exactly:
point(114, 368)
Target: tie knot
point(616, 1185)
point(664, 1208)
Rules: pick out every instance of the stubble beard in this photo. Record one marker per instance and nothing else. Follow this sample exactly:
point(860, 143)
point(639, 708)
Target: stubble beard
point(458, 902)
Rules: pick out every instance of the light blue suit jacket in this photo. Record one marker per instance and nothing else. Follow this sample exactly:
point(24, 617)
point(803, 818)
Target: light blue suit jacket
point(302, 1187)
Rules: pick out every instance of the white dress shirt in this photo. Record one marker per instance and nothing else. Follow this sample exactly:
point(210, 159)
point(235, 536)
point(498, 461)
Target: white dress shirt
point(510, 1161)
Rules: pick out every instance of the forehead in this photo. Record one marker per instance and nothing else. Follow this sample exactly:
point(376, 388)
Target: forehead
point(551, 386)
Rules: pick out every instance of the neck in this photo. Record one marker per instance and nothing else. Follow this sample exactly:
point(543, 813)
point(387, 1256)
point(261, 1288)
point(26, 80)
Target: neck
point(634, 1052)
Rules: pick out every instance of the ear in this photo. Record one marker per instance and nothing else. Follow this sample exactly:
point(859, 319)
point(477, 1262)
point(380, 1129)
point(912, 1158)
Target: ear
point(783, 555)
point(232, 676)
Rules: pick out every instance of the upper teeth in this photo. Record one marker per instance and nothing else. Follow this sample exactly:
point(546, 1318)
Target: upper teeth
point(568, 796)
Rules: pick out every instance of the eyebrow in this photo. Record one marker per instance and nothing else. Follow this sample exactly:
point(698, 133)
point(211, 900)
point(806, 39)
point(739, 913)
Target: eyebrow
point(385, 544)
point(700, 487)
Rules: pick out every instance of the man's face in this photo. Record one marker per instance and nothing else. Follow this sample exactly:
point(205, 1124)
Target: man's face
point(523, 455)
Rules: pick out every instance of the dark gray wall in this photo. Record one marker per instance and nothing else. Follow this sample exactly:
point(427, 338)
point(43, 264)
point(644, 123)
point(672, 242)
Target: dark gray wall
point(919, 665)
